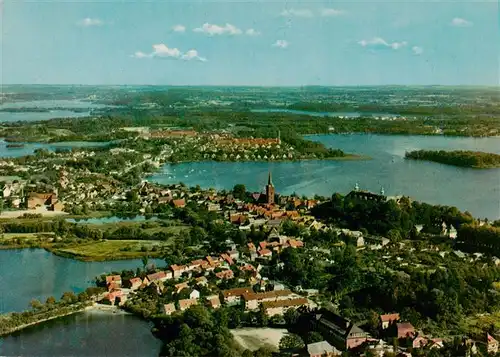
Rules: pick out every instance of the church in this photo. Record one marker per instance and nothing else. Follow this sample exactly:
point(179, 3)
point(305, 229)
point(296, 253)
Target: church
point(269, 197)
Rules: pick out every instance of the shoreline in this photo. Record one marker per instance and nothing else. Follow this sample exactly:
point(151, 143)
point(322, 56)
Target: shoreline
point(95, 308)
point(23, 326)
point(347, 157)
point(89, 259)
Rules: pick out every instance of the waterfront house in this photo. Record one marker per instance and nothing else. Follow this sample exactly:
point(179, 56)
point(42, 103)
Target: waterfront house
point(168, 309)
point(322, 349)
point(135, 283)
point(116, 279)
point(187, 303)
point(116, 297)
point(177, 270)
point(159, 276)
point(387, 319)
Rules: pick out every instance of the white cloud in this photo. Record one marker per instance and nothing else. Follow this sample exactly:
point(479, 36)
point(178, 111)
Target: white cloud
point(212, 29)
point(297, 13)
point(163, 51)
point(459, 22)
point(87, 22)
point(252, 32)
point(179, 28)
point(380, 43)
point(417, 50)
point(332, 12)
point(281, 44)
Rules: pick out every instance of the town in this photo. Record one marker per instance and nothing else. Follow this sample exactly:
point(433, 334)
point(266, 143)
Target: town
point(240, 250)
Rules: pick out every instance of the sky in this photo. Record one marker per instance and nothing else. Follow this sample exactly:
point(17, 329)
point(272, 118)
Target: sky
point(256, 43)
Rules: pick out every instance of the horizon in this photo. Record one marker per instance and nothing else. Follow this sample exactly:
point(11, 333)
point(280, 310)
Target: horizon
point(257, 86)
point(250, 44)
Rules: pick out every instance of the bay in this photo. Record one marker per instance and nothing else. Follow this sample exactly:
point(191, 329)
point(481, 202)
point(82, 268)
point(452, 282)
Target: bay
point(29, 148)
point(473, 190)
point(27, 274)
point(63, 109)
point(84, 334)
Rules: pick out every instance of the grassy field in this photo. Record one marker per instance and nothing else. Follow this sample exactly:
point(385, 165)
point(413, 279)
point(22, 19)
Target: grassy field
point(26, 236)
point(111, 250)
point(255, 338)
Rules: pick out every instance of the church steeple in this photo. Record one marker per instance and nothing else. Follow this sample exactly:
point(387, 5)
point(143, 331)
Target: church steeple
point(270, 190)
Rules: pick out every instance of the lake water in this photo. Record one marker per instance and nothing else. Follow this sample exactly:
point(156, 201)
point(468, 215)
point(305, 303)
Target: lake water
point(84, 334)
point(29, 148)
point(27, 274)
point(113, 219)
point(47, 104)
point(324, 114)
point(477, 191)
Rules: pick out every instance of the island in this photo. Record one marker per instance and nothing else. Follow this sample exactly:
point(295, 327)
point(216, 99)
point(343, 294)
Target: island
point(463, 158)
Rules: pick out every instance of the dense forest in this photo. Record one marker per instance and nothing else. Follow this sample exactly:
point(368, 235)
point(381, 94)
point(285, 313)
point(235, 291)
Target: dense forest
point(474, 159)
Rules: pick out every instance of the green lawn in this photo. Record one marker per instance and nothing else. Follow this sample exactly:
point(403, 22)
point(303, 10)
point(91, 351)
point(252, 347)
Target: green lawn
point(112, 250)
point(9, 236)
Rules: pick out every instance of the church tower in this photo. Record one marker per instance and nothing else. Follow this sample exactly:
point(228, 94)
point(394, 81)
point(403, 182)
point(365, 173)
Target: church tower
point(270, 190)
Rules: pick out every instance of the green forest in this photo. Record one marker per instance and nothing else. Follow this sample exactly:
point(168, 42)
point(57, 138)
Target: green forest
point(473, 159)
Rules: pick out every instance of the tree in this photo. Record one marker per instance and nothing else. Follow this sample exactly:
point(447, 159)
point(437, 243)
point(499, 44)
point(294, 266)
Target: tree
point(247, 353)
point(239, 191)
point(291, 341)
point(132, 196)
point(144, 260)
point(291, 316)
point(50, 300)
point(69, 297)
point(36, 304)
point(314, 336)
point(263, 352)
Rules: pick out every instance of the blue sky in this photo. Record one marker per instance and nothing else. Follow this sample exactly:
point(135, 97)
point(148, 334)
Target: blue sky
point(271, 43)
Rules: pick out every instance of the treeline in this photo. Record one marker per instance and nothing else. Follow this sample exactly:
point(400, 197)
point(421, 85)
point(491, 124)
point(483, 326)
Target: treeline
point(473, 238)
point(387, 217)
point(393, 109)
point(475, 159)
point(197, 332)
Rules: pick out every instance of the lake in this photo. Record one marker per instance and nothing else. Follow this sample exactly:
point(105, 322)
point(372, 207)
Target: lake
point(47, 104)
point(113, 219)
point(84, 334)
point(29, 148)
point(477, 191)
point(325, 114)
point(27, 274)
